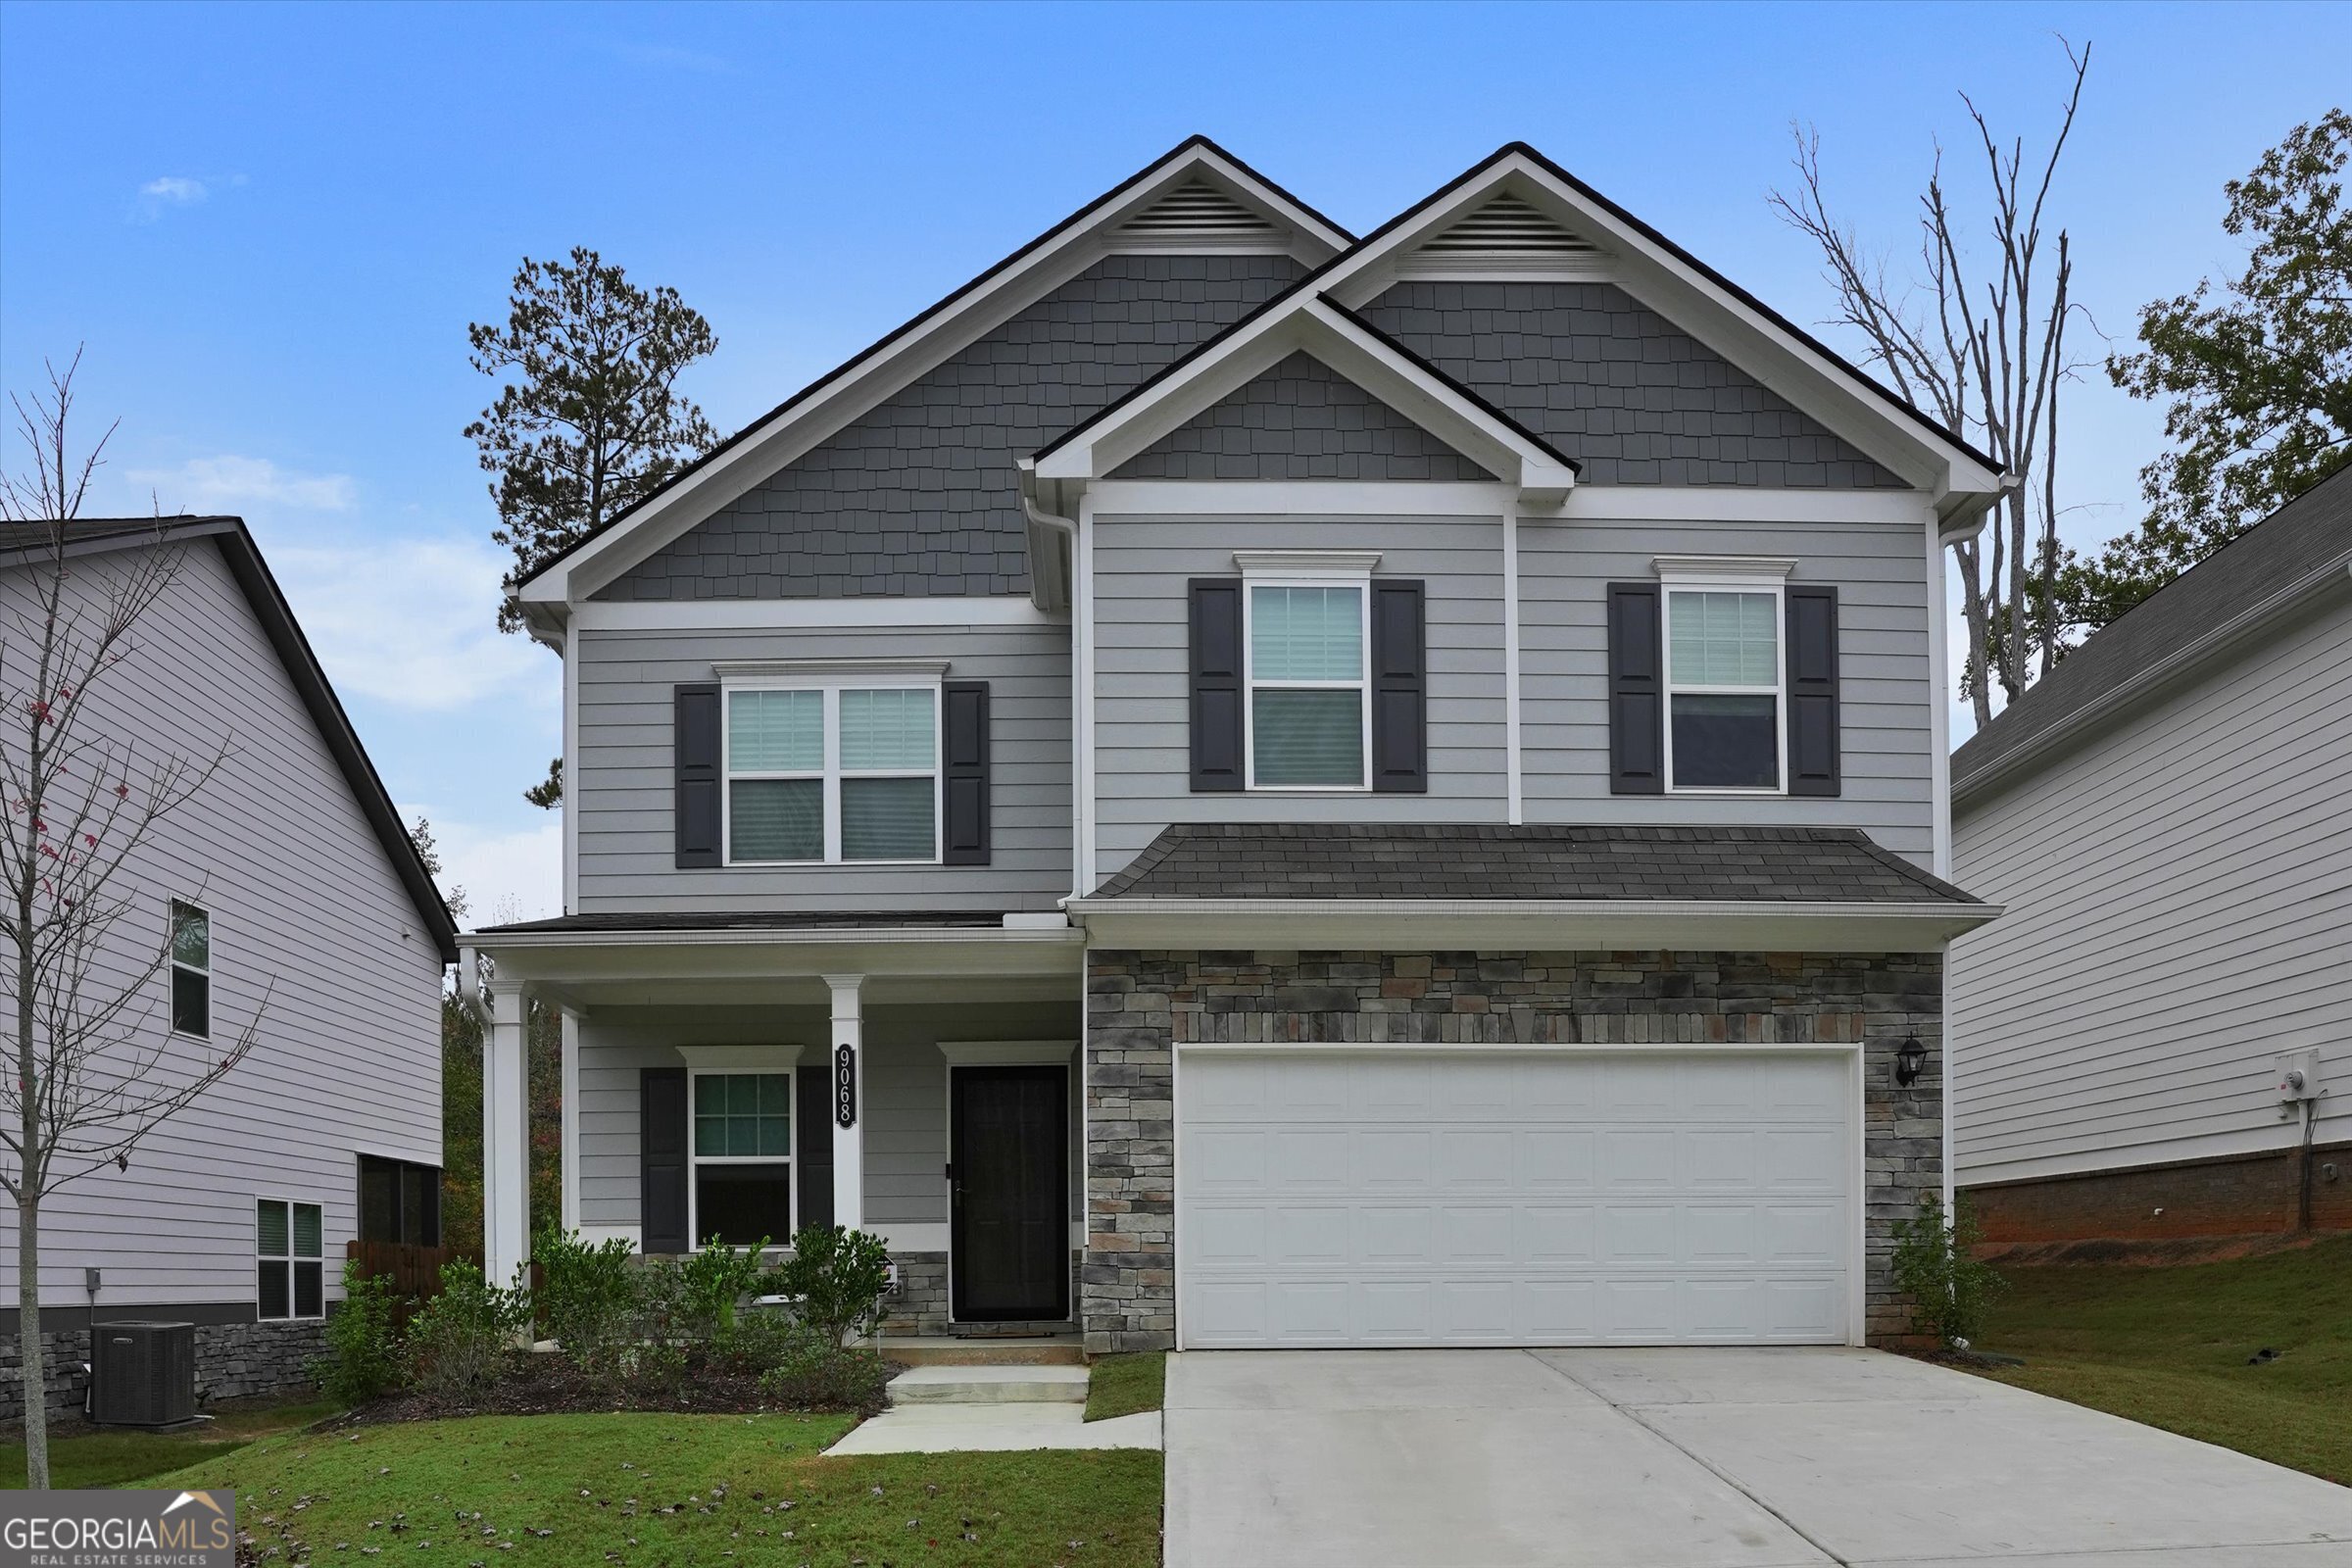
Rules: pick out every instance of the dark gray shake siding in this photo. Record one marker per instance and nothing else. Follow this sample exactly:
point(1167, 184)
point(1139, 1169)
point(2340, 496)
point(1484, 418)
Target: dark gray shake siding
point(1617, 386)
point(1299, 421)
point(920, 494)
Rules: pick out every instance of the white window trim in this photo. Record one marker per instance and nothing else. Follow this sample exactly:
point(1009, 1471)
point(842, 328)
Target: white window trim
point(1306, 569)
point(171, 908)
point(1745, 574)
point(830, 679)
point(289, 1258)
point(710, 1062)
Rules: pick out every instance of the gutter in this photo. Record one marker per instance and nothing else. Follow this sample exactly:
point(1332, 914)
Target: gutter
point(1532, 908)
point(495, 942)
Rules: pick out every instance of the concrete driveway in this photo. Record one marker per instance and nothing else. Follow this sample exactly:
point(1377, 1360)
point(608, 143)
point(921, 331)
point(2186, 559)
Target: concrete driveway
point(1714, 1458)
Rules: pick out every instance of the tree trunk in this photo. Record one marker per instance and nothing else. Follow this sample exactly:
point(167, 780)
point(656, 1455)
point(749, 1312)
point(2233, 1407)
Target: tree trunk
point(31, 1355)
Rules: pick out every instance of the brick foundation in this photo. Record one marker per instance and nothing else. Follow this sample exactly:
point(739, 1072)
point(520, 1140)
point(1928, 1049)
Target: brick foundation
point(1141, 1004)
point(2234, 1195)
point(233, 1361)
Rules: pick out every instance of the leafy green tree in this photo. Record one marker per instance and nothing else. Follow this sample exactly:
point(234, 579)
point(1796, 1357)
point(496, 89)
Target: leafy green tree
point(593, 421)
point(2260, 381)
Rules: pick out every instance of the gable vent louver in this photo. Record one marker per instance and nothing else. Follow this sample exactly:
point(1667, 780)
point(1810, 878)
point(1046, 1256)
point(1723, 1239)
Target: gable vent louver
point(1507, 232)
point(1193, 213)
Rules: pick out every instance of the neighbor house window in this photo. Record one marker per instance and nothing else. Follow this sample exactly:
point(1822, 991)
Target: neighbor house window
point(399, 1201)
point(742, 1157)
point(191, 971)
point(1311, 711)
point(292, 1281)
point(826, 774)
point(1725, 727)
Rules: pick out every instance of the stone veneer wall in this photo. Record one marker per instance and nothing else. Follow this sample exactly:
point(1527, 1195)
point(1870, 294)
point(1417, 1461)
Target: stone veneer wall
point(920, 1306)
point(1141, 1004)
point(233, 1361)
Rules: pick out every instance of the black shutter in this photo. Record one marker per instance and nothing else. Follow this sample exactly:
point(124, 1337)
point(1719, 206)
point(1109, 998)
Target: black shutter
point(661, 1158)
point(1399, 689)
point(1636, 691)
point(1216, 670)
point(695, 751)
point(964, 836)
point(1813, 738)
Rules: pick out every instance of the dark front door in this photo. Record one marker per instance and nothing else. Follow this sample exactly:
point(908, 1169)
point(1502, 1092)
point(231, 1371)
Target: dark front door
point(1008, 1184)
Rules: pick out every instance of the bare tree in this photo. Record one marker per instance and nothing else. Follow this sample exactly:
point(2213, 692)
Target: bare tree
point(1987, 356)
point(94, 1073)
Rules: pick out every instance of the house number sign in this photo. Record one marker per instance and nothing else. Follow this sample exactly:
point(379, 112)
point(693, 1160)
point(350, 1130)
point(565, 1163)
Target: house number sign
point(845, 1085)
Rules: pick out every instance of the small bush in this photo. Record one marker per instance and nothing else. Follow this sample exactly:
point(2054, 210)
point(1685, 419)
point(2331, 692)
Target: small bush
point(835, 1280)
point(461, 1341)
point(715, 1280)
point(589, 1294)
point(814, 1373)
point(364, 1351)
point(1936, 1265)
point(758, 1340)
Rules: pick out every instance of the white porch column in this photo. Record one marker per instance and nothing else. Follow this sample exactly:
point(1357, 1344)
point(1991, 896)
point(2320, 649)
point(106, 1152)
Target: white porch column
point(505, 1137)
point(849, 1141)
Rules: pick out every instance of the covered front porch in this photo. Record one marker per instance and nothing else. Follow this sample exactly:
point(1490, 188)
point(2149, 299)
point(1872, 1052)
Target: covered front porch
point(738, 1078)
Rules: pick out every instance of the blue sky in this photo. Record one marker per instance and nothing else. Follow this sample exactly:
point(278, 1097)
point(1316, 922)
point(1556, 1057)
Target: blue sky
point(271, 224)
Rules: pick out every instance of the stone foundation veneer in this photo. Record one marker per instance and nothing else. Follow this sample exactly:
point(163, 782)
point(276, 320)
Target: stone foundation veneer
point(920, 1306)
point(1141, 1004)
point(233, 1361)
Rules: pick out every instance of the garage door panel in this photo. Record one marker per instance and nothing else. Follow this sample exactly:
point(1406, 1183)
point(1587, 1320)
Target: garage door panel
point(1304, 1159)
point(1804, 1159)
point(1549, 1084)
point(1311, 1234)
point(1475, 1159)
point(1720, 1159)
point(1475, 1235)
point(1806, 1235)
point(1558, 1233)
point(1558, 1158)
point(1385, 1159)
point(1641, 1160)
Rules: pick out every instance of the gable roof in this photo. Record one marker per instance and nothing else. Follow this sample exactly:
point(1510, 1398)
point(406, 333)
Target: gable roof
point(22, 544)
point(1135, 214)
point(2299, 550)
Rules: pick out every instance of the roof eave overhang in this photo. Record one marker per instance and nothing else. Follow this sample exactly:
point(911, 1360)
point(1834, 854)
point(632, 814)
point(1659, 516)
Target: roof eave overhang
point(1527, 925)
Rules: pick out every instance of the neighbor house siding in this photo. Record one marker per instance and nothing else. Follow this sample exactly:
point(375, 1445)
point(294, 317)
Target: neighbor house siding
point(1885, 699)
point(317, 947)
point(2179, 911)
point(1142, 567)
point(624, 791)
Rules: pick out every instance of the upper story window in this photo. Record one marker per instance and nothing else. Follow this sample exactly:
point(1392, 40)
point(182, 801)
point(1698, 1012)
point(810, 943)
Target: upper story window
point(821, 775)
point(191, 971)
point(1307, 628)
point(1726, 714)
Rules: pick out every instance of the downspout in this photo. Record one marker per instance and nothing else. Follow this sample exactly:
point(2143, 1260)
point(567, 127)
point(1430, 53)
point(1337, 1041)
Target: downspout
point(1065, 529)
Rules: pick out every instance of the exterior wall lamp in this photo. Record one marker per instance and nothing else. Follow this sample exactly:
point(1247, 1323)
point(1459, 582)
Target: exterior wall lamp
point(1909, 1061)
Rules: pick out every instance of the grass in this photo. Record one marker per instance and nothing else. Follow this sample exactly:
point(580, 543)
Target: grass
point(115, 1458)
point(2169, 1347)
point(679, 1490)
point(1122, 1385)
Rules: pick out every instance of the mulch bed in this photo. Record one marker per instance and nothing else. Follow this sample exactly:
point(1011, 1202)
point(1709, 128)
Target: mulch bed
point(549, 1384)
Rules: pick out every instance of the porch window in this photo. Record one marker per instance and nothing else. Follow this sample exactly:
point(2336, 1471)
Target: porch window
point(290, 1240)
point(1724, 722)
point(742, 1157)
point(1310, 707)
point(831, 774)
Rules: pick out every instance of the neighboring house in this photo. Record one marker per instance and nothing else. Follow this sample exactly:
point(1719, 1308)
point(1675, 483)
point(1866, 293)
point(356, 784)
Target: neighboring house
point(1234, 785)
point(292, 889)
point(2168, 817)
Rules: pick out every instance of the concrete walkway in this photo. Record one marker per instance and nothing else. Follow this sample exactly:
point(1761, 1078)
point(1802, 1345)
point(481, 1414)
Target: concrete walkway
point(999, 1428)
point(1714, 1458)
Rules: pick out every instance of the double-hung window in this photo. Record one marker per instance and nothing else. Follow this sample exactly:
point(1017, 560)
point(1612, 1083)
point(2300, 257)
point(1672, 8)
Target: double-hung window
point(1725, 708)
point(1310, 705)
point(191, 971)
point(290, 1240)
point(828, 773)
point(742, 1190)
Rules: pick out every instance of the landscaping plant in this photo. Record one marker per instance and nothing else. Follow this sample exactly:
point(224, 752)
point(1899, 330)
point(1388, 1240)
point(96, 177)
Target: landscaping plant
point(716, 1280)
point(835, 1280)
point(461, 1340)
point(364, 1351)
point(1937, 1266)
point(589, 1294)
point(814, 1372)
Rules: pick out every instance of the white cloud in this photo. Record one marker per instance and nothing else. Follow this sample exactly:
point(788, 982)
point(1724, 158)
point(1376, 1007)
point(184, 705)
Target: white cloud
point(508, 874)
point(226, 482)
point(159, 196)
point(412, 623)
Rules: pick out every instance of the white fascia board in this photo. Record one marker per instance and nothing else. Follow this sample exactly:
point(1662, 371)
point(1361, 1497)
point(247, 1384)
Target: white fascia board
point(812, 615)
point(1531, 924)
point(1109, 500)
point(1633, 503)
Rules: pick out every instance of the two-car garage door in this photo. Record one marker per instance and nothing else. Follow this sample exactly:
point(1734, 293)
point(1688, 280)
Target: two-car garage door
point(1538, 1198)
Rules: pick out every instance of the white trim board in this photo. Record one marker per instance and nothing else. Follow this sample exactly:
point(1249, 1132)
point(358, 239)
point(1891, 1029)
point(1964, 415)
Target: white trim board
point(812, 614)
point(1007, 1053)
point(742, 1058)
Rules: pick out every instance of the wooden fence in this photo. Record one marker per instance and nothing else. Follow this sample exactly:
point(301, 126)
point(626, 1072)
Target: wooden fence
point(415, 1273)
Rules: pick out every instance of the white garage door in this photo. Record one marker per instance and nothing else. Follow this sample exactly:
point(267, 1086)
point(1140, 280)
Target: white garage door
point(1513, 1199)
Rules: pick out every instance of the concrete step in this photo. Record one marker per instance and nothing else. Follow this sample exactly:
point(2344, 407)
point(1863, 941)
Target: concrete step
point(1057, 1349)
point(990, 1384)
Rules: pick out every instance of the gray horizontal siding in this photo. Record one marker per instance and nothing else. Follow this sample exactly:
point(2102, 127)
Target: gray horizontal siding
point(1617, 386)
point(1143, 772)
point(2179, 894)
point(1299, 421)
point(306, 910)
point(920, 494)
point(1885, 699)
point(623, 790)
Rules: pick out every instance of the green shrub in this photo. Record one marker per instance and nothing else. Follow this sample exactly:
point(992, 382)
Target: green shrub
point(834, 1279)
point(757, 1341)
point(362, 1359)
point(716, 1280)
point(1936, 1265)
point(589, 1294)
point(463, 1339)
point(814, 1373)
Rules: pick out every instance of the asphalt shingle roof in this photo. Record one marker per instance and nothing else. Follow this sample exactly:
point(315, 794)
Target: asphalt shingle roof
point(1307, 861)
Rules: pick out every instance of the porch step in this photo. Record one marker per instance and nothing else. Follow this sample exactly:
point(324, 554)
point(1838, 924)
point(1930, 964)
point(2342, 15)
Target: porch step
point(990, 1384)
point(1045, 1349)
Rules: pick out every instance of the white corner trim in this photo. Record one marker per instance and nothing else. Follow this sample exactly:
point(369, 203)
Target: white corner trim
point(728, 669)
point(1940, 728)
point(742, 1058)
point(1514, 786)
point(1271, 565)
point(1722, 566)
point(1007, 1053)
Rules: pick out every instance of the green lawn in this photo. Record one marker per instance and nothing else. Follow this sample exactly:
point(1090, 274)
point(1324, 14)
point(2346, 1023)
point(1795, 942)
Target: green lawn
point(2169, 1347)
point(680, 1489)
point(114, 1459)
point(1122, 1385)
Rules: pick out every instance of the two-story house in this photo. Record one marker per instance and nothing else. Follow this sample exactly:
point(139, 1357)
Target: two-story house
point(1234, 785)
point(283, 898)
